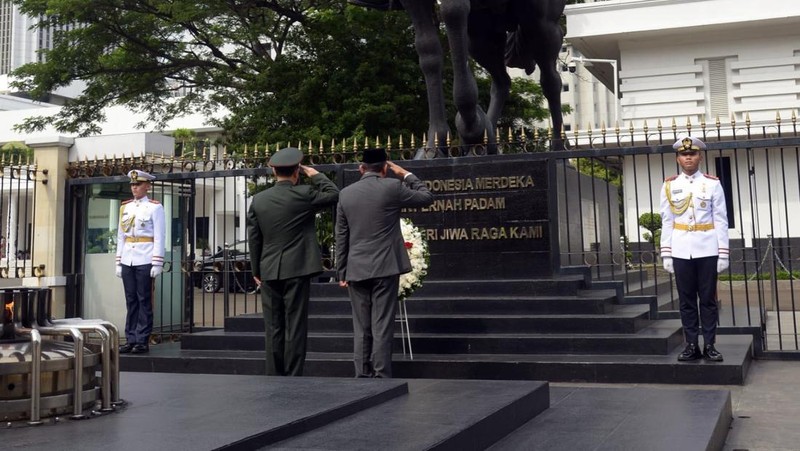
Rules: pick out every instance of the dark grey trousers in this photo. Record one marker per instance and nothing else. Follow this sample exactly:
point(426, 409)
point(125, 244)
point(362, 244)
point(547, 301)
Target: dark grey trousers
point(374, 303)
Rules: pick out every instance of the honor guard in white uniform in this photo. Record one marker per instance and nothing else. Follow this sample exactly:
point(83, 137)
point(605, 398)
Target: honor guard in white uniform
point(140, 259)
point(694, 245)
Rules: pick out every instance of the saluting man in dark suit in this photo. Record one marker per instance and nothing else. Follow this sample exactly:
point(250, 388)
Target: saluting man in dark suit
point(285, 255)
point(694, 246)
point(370, 255)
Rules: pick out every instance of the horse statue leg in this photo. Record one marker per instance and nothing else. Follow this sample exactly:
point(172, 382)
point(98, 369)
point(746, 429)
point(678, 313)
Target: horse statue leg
point(471, 121)
point(487, 46)
point(544, 37)
point(429, 49)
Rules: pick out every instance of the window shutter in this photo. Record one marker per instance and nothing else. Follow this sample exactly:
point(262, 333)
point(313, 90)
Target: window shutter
point(718, 88)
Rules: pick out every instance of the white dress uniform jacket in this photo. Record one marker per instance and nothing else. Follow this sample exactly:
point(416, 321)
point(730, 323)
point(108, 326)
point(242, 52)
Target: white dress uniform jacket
point(140, 236)
point(694, 218)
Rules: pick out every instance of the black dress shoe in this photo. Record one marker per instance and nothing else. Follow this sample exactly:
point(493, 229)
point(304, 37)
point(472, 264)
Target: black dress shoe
point(711, 353)
point(140, 349)
point(691, 352)
point(126, 348)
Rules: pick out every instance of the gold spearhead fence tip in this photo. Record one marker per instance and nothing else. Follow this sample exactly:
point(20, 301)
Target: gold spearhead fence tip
point(320, 145)
point(794, 116)
point(689, 123)
point(309, 147)
point(703, 123)
point(447, 141)
point(355, 146)
point(717, 123)
point(413, 140)
point(510, 135)
point(747, 119)
point(645, 127)
point(733, 120)
point(630, 127)
point(400, 145)
point(333, 145)
point(366, 143)
point(377, 141)
point(388, 143)
point(659, 127)
point(674, 125)
point(778, 117)
point(550, 133)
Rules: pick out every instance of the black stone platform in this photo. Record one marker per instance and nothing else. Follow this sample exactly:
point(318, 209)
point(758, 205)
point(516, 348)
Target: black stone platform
point(568, 329)
point(204, 412)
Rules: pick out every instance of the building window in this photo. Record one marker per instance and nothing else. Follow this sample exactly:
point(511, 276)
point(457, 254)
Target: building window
point(565, 87)
point(717, 87)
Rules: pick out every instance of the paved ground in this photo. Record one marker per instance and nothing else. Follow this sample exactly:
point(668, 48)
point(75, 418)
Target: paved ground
point(766, 409)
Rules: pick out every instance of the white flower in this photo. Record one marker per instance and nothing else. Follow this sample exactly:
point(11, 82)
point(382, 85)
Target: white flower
point(418, 253)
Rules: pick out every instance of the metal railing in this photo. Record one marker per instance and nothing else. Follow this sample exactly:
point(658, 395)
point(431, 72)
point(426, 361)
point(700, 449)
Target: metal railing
point(608, 180)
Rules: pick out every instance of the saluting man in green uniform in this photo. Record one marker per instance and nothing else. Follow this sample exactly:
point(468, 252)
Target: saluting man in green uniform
point(285, 255)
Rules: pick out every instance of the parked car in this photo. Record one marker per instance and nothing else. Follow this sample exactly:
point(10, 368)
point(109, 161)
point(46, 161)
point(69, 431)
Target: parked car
point(209, 271)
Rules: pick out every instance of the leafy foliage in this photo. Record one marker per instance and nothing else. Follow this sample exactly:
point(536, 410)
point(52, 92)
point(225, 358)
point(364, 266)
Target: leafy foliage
point(273, 70)
point(652, 222)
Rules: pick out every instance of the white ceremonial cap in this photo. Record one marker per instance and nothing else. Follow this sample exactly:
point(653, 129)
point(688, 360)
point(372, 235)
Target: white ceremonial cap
point(138, 176)
point(688, 144)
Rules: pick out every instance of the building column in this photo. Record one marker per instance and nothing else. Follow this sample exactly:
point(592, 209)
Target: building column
point(51, 155)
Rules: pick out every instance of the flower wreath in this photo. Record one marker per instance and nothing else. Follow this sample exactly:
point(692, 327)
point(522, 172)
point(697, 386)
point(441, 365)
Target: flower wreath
point(418, 253)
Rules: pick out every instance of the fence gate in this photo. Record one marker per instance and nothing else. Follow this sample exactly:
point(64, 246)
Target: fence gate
point(207, 274)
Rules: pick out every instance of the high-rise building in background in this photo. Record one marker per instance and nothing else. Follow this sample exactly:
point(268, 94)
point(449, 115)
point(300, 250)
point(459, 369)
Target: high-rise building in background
point(21, 44)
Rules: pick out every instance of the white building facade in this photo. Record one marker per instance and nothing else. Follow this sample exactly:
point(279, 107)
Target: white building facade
point(696, 61)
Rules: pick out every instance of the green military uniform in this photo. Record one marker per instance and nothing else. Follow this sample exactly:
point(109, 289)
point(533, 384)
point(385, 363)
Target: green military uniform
point(284, 254)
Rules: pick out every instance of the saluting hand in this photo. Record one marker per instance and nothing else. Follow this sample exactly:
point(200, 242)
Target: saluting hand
point(397, 170)
point(309, 172)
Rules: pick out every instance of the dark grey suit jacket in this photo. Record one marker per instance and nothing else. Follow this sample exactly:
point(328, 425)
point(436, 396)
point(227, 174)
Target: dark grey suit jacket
point(281, 228)
point(369, 243)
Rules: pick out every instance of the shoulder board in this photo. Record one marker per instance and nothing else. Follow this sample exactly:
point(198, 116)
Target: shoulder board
point(154, 201)
point(669, 179)
point(709, 176)
point(127, 201)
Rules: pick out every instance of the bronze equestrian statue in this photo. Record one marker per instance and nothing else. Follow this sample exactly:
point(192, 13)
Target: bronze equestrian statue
point(496, 34)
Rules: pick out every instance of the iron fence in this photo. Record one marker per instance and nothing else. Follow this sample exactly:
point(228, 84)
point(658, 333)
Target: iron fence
point(605, 183)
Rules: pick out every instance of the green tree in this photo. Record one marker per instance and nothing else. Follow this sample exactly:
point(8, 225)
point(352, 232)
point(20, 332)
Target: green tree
point(16, 152)
point(652, 222)
point(279, 70)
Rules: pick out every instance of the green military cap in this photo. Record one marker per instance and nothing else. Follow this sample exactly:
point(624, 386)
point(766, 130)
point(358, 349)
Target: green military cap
point(286, 157)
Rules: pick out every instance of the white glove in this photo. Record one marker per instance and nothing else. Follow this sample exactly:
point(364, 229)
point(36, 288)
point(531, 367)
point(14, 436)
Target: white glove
point(722, 264)
point(118, 271)
point(668, 265)
point(155, 271)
